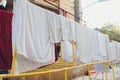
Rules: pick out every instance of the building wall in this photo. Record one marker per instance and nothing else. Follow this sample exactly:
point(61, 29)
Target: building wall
point(67, 5)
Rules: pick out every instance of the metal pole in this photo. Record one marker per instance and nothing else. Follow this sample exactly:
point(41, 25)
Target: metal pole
point(77, 11)
point(61, 59)
point(1, 78)
point(88, 66)
point(73, 53)
point(113, 72)
point(83, 73)
point(105, 70)
point(14, 60)
point(65, 75)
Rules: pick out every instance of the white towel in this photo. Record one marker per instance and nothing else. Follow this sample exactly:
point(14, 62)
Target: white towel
point(72, 34)
point(118, 46)
point(82, 46)
point(114, 50)
point(54, 27)
point(102, 44)
point(100, 68)
point(94, 45)
point(103, 41)
point(67, 51)
point(31, 35)
point(68, 29)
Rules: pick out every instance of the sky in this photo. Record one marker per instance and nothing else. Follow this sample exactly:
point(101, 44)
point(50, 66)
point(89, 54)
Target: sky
point(101, 13)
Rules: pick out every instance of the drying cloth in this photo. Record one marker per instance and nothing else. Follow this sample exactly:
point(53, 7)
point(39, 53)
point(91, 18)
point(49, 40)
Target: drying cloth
point(118, 50)
point(100, 68)
point(68, 29)
point(82, 45)
point(103, 43)
point(67, 51)
point(114, 50)
point(94, 45)
point(31, 35)
point(54, 27)
point(72, 33)
point(5, 40)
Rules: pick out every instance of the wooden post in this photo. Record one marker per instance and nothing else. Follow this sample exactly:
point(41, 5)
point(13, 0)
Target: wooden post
point(49, 74)
point(73, 53)
point(113, 72)
point(1, 78)
point(105, 70)
point(61, 59)
point(14, 60)
point(83, 73)
point(88, 66)
point(65, 75)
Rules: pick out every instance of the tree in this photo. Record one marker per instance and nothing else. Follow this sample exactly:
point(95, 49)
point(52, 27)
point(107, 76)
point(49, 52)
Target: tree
point(112, 30)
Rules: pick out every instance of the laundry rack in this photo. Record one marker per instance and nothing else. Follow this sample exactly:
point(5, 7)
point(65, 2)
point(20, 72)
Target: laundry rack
point(60, 66)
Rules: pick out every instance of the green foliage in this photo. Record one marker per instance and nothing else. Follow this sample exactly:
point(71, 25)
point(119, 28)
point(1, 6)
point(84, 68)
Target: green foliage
point(112, 31)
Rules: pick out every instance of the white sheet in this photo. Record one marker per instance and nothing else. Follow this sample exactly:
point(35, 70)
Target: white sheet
point(90, 45)
point(114, 50)
point(103, 42)
point(68, 29)
point(67, 51)
point(54, 27)
point(82, 45)
point(94, 45)
point(100, 68)
point(31, 35)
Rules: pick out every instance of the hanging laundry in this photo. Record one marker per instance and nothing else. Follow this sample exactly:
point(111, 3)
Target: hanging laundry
point(82, 45)
point(54, 27)
point(103, 43)
point(118, 50)
point(114, 50)
point(68, 29)
point(31, 35)
point(5, 40)
point(100, 68)
point(71, 30)
point(67, 51)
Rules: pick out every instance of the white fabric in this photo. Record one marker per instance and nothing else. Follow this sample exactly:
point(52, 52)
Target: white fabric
point(72, 33)
point(114, 50)
point(90, 45)
point(31, 35)
point(3, 2)
point(54, 27)
point(103, 42)
point(94, 45)
point(67, 51)
point(68, 29)
point(82, 46)
point(118, 49)
point(100, 68)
